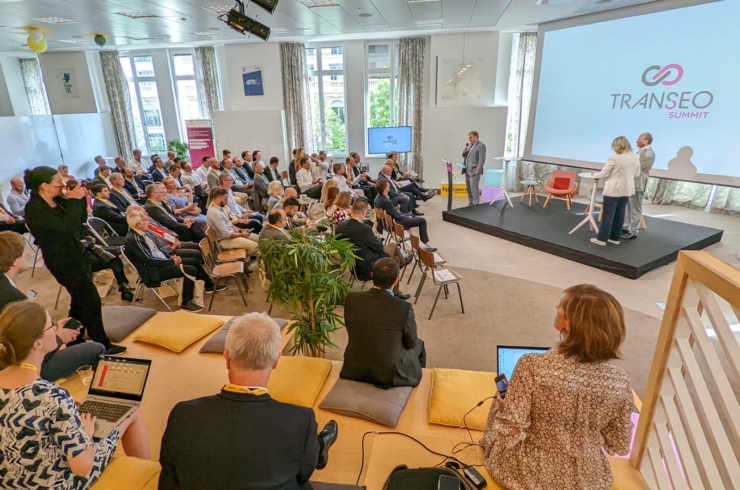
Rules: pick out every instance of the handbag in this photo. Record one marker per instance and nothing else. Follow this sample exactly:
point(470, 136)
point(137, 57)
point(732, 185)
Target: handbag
point(404, 478)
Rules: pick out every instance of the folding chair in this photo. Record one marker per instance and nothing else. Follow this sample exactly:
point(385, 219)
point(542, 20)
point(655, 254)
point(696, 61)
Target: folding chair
point(35, 248)
point(354, 279)
point(222, 256)
point(234, 270)
point(103, 232)
point(141, 286)
point(427, 260)
point(415, 247)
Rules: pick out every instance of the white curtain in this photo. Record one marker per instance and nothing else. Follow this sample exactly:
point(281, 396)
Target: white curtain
point(410, 98)
point(206, 73)
point(116, 86)
point(296, 96)
point(35, 88)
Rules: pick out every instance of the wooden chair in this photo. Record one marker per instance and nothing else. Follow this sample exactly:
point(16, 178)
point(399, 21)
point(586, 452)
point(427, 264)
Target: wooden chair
point(427, 260)
point(415, 247)
point(223, 256)
point(562, 184)
point(379, 220)
point(217, 272)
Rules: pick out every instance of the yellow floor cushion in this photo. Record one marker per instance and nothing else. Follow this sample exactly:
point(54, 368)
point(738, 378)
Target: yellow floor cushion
point(127, 473)
point(455, 392)
point(178, 330)
point(298, 380)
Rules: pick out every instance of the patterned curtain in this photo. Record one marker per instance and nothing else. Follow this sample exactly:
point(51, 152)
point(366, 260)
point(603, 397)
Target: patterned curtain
point(296, 96)
point(410, 93)
point(689, 194)
point(726, 200)
point(206, 72)
point(119, 98)
point(35, 89)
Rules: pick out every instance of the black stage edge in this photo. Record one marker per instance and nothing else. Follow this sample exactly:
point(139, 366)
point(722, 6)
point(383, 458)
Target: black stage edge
point(547, 230)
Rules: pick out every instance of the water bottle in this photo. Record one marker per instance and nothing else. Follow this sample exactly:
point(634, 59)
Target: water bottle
point(531, 175)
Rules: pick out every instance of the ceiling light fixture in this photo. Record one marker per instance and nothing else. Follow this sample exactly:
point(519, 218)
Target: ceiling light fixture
point(429, 23)
point(56, 20)
point(206, 34)
point(73, 41)
point(137, 14)
point(317, 4)
point(365, 15)
point(236, 19)
point(421, 1)
point(219, 9)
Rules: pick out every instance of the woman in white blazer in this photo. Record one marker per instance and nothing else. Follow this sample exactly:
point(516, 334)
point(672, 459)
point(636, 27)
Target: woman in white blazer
point(620, 172)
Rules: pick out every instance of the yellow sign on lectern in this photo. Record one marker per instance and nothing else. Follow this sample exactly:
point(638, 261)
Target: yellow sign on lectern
point(458, 190)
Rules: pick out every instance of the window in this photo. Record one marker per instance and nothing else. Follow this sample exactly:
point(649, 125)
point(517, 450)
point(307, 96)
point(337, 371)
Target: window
point(148, 128)
point(326, 87)
point(186, 89)
point(382, 85)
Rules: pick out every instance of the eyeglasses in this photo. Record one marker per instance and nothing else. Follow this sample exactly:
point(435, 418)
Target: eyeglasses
point(54, 325)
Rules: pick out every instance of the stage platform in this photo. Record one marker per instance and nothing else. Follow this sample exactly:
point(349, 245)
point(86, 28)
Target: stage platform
point(547, 230)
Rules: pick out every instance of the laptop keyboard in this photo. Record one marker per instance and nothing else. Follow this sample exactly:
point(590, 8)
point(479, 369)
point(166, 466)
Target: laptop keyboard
point(106, 411)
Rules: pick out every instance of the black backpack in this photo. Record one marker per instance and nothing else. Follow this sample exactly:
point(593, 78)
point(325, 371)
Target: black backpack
point(403, 478)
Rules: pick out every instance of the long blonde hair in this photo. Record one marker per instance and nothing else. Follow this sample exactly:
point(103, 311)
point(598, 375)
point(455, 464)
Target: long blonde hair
point(273, 188)
point(343, 200)
point(299, 154)
point(325, 190)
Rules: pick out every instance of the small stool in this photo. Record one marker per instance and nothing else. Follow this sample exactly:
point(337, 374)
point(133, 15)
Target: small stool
point(529, 190)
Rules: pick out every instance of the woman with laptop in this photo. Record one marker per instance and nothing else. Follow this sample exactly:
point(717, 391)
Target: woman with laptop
point(564, 406)
point(42, 427)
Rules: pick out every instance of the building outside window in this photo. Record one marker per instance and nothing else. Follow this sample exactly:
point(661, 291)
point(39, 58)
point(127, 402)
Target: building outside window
point(148, 128)
point(186, 89)
point(382, 85)
point(326, 87)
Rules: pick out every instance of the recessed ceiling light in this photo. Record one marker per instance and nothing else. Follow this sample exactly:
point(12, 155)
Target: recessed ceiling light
point(278, 30)
point(136, 14)
point(366, 15)
point(206, 34)
point(144, 38)
point(421, 1)
point(428, 23)
point(55, 20)
point(316, 4)
point(219, 9)
point(74, 41)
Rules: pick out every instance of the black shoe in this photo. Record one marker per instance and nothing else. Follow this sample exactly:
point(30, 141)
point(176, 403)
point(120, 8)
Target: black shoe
point(417, 213)
point(115, 350)
point(429, 195)
point(192, 307)
point(221, 287)
point(425, 191)
point(125, 287)
point(127, 296)
point(327, 437)
point(401, 295)
point(629, 236)
point(409, 259)
point(431, 250)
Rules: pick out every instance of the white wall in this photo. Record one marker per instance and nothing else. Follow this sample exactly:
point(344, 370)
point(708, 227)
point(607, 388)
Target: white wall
point(266, 55)
point(76, 60)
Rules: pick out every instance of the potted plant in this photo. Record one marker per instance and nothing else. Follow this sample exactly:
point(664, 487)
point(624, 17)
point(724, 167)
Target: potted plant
point(307, 276)
point(180, 149)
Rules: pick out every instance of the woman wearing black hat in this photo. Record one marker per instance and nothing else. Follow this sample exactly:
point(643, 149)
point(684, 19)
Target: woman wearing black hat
point(58, 226)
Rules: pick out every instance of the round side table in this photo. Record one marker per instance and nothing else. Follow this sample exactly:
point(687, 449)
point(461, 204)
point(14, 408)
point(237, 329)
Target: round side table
point(529, 190)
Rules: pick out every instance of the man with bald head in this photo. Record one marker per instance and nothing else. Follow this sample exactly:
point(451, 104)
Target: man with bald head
point(18, 198)
point(404, 200)
point(634, 209)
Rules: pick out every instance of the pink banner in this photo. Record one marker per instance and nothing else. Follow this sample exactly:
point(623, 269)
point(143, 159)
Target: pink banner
point(200, 140)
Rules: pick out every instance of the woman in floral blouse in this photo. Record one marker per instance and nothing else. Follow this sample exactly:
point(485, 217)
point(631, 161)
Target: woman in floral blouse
point(341, 208)
point(563, 407)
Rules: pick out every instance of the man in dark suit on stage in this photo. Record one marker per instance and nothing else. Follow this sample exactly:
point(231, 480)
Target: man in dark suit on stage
point(106, 210)
point(242, 437)
point(158, 208)
point(383, 348)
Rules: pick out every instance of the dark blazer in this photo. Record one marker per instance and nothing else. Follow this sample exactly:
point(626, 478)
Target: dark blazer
point(382, 335)
point(158, 175)
point(120, 201)
point(242, 174)
point(272, 174)
point(169, 220)
point(98, 180)
point(259, 193)
point(8, 292)
point(249, 169)
point(113, 216)
point(131, 188)
point(384, 202)
point(370, 248)
point(238, 441)
point(138, 252)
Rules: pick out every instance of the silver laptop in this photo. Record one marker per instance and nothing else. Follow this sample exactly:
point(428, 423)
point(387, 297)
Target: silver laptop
point(508, 356)
point(115, 392)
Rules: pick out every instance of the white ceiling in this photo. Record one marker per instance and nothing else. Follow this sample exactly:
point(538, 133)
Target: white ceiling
point(178, 21)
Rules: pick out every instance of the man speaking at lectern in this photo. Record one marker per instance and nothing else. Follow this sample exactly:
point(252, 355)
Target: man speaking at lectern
point(474, 157)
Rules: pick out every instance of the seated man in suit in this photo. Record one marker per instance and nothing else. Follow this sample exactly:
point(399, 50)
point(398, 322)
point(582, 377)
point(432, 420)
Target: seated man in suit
point(259, 192)
point(220, 221)
point(106, 210)
point(383, 202)
point(103, 176)
point(370, 248)
point(240, 185)
point(271, 172)
point(120, 165)
point(155, 265)
point(383, 348)
point(247, 163)
point(254, 219)
point(8, 222)
point(405, 200)
point(118, 193)
point(242, 437)
point(277, 220)
point(240, 171)
point(157, 207)
point(159, 172)
point(134, 185)
point(176, 247)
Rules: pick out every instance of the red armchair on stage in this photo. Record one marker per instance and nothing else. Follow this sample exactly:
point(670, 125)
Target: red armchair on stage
point(562, 184)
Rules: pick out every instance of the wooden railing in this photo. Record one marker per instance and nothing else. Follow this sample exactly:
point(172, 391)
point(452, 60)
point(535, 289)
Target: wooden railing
point(688, 435)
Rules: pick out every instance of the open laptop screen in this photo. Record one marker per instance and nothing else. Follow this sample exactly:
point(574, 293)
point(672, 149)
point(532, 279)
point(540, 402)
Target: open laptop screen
point(508, 356)
point(120, 377)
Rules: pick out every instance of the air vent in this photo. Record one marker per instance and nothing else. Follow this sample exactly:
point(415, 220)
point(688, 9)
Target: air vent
point(206, 34)
point(56, 20)
point(429, 23)
point(317, 4)
point(136, 14)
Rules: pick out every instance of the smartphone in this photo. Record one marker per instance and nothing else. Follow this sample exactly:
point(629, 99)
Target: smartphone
point(72, 324)
point(502, 384)
point(448, 483)
point(31, 294)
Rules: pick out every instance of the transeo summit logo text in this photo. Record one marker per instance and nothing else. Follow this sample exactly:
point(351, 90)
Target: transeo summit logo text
point(390, 140)
point(681, 105)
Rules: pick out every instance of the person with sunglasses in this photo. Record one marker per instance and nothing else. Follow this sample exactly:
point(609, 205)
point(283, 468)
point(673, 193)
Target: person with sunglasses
point(56, 215)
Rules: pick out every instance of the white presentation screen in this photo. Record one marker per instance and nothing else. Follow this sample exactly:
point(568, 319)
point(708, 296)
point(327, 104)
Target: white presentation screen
point(674, 74)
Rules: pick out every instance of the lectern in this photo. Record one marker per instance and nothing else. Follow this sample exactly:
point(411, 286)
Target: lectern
point(450, 185)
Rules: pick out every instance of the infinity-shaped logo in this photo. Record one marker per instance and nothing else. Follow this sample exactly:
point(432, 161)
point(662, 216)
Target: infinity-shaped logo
point(662, 74)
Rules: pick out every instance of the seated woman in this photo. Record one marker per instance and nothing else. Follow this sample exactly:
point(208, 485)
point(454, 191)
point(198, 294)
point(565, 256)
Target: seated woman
point(182, 206)
point(275, 191)
point(62, 453)
point(564, 406)
point(323, 209)
point(341, 209)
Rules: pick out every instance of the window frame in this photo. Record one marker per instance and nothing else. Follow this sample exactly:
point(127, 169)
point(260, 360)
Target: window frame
point(175, 89)
point(319, 73)
point(391, 72)
point(135, 78)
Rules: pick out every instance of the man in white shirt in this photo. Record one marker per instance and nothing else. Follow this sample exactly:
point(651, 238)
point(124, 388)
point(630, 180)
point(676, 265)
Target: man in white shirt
point(255, 219)
point(306, 182)
point(320, 169)
point(340, 178)
point(170, 160)
point(18, 198)
point(192, 177)
point(228, 236)
point(136, 164)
